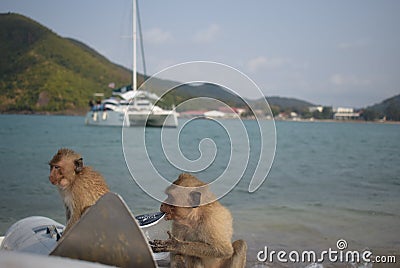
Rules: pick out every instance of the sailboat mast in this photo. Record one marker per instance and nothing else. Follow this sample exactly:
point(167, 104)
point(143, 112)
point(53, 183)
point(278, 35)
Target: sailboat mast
point(134, 71)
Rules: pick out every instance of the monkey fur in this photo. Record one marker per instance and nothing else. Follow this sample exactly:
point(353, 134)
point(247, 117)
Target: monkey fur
point(201, 233)
point(79, 186)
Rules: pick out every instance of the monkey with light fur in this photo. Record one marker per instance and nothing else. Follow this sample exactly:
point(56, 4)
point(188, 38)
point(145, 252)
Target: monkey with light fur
point(80, 186)
point(201, 230)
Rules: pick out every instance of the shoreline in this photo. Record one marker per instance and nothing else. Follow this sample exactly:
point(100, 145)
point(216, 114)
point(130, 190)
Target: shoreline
point(80, 113)
point(338, 121)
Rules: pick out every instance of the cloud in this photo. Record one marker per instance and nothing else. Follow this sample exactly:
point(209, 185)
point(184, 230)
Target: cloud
point(260, 62)
point(348, 80)
point(255, 64)
point(207, 35)
point(157, 36)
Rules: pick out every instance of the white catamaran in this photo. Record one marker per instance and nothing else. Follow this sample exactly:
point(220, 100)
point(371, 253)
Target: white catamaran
point(130, 106)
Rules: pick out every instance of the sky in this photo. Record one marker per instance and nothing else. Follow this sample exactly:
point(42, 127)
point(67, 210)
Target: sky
point(342, 53)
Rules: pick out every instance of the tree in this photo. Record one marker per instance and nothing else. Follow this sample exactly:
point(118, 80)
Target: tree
point(392, 112)
point(370, 115)
point(327, 113)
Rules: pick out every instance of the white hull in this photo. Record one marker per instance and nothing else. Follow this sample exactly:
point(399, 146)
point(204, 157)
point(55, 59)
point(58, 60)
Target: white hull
point(135, 118)
point(165, 119)
point(106, 118)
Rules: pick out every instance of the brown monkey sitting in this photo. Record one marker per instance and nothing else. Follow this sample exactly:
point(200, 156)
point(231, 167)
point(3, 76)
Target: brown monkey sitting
point(79, 186)
point(201, 233)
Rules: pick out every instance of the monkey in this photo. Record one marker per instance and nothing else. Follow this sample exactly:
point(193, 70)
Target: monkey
point(79, 186)
point(201, 232)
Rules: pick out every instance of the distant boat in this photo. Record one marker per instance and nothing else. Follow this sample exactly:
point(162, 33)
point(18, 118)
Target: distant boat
point(129, 106)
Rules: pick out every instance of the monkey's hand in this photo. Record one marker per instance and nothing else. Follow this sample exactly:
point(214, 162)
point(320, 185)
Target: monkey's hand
point(171, 244)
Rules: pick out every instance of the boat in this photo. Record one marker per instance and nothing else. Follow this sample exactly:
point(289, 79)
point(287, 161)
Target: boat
point(130, 106)
point(107, 233)
point(107, 112)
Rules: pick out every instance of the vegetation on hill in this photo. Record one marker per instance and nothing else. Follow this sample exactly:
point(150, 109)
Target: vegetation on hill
point(41, 71)
point(388, 109)
point(288, 105)
point(214, 93)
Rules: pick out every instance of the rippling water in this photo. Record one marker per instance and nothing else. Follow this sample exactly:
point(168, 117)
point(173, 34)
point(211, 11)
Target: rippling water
point(329, 181)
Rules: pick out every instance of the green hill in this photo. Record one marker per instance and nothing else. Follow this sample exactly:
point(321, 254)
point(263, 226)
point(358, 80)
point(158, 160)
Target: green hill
point(282, 104)
point(43, 72)
point(205, 90)
point(389, 108)
point(289, 103)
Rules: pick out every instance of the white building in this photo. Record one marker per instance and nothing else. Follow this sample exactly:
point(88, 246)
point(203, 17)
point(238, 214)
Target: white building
point(214, 114)
point(344, 110)
point(342, 113)
point(315, 108)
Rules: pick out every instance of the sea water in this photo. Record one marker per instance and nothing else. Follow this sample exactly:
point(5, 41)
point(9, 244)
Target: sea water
point(329, 180)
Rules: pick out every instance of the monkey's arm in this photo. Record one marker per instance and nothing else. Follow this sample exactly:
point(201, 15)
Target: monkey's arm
point(196, 249)
point(71, 222)
point(74, 218)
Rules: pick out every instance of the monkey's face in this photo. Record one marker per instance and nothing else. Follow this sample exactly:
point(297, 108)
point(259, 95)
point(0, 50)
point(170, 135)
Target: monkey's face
point(180, 215)
point(61, 174)
point(64, 168)
point(183, 214)
point(168, 209)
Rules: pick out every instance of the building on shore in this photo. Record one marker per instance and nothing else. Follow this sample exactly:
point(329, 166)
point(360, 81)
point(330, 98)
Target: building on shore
point(222, 112)
point(342, 113)
point(192, 113)
point(312, 109)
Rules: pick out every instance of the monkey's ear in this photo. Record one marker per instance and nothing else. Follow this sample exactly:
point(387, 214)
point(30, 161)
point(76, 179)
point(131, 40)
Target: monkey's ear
point(195, 199)
point(78, 165)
